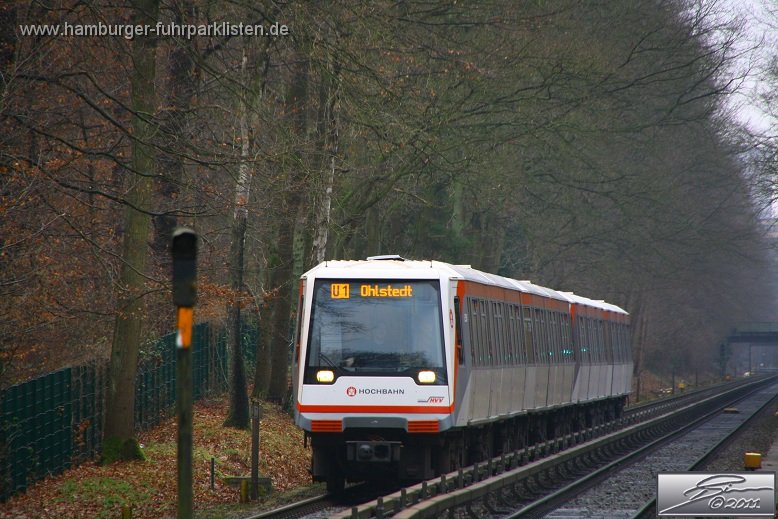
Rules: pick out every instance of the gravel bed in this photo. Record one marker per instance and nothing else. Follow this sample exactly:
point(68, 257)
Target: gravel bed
point(629, 489)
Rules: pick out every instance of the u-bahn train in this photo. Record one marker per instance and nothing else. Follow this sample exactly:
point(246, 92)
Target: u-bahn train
point(405, 370)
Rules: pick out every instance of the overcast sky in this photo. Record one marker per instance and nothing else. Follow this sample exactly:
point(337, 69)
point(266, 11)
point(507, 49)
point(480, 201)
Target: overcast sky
point(756, 16)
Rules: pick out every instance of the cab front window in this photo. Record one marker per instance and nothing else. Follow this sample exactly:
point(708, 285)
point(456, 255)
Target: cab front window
point(386, 327)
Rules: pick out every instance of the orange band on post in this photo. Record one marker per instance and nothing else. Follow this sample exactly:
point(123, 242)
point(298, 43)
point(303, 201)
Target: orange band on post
point(185, 320)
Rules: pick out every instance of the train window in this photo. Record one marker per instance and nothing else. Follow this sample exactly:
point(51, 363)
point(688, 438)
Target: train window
point(615, 342)
point(554, 349)
point(485, 346)
point(613, 339)
point(610, 340)
point(390, 327)
point(506, 334)
point(601, 341)
point(529, 343)
point(489, 339)
point(560, 329)
point(581, 342)
point(480, 342)
point(509, 342)
point(510, 350)
point(551, 323)
point(596, 326)
point(571, 338)
point(491, 336)
point(537, 337)
point(547, 340)
point(591, 339)
point(516, 335)
point(541, 338)
point(606, 341)
point(567, 339)
point(499, 333)
point(475, 340)
point(482, 335)
point(485, 340)
point(563, 351)
point(567, 354)
point(470, 327)
point(587, 330)
point(458, 341)
point(513, 335)
point(510, 333)
point(486, 335)
point(475, 318)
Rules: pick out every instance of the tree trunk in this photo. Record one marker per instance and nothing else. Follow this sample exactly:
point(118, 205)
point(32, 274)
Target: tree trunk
point(265, 339)
point(119, 440)
point(238, 414)
point(328, 144)
point(279, 355)
point(281, 277)
point(174, 121)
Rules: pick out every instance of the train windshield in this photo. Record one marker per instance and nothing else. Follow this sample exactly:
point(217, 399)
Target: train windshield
point(387, 327)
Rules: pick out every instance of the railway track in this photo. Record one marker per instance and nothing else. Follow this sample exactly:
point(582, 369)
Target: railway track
point(625, 487)
point(324, 505)
point(535, 481)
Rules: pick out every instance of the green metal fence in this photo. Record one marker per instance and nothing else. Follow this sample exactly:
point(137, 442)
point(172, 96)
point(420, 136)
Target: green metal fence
point(55, 421)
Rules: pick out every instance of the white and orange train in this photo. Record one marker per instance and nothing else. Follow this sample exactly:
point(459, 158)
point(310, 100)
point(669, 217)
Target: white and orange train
point(410, 369)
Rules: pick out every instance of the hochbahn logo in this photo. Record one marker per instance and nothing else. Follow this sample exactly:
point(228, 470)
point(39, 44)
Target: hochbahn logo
point(352, 391)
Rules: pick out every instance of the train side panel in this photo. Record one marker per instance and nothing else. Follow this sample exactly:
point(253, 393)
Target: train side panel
point(530, 383)
point(581, 384)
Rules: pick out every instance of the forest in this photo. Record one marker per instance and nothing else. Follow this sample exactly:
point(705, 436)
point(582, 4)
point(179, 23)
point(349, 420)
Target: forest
point(589, 146)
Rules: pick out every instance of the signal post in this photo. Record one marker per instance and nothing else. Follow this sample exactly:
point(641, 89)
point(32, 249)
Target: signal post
point(184, 252)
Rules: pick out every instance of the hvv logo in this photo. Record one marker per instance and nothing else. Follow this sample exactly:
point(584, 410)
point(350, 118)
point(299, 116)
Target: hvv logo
point(704, 494)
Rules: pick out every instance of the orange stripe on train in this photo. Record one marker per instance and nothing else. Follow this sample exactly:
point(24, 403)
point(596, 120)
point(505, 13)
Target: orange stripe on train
point(380, 409)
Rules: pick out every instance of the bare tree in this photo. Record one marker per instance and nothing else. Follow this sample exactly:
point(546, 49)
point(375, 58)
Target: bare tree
point(119, 431)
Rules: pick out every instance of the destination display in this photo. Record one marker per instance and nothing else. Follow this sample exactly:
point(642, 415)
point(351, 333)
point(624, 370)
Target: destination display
point(344, 290)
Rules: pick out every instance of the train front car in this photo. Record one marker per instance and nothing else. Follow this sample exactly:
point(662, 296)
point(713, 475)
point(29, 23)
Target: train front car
point(372, 368)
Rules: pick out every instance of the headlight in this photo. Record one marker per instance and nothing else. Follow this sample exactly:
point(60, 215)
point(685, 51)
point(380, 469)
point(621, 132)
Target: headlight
point(426, 377)
point(325, 376)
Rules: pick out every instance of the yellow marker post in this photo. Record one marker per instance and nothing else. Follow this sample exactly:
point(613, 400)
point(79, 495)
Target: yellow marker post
point(752, 461)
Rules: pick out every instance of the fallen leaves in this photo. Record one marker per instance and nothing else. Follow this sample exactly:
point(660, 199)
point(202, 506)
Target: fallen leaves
point(94, 491)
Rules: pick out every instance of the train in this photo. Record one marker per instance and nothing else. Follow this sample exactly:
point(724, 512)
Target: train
point(403, 370)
